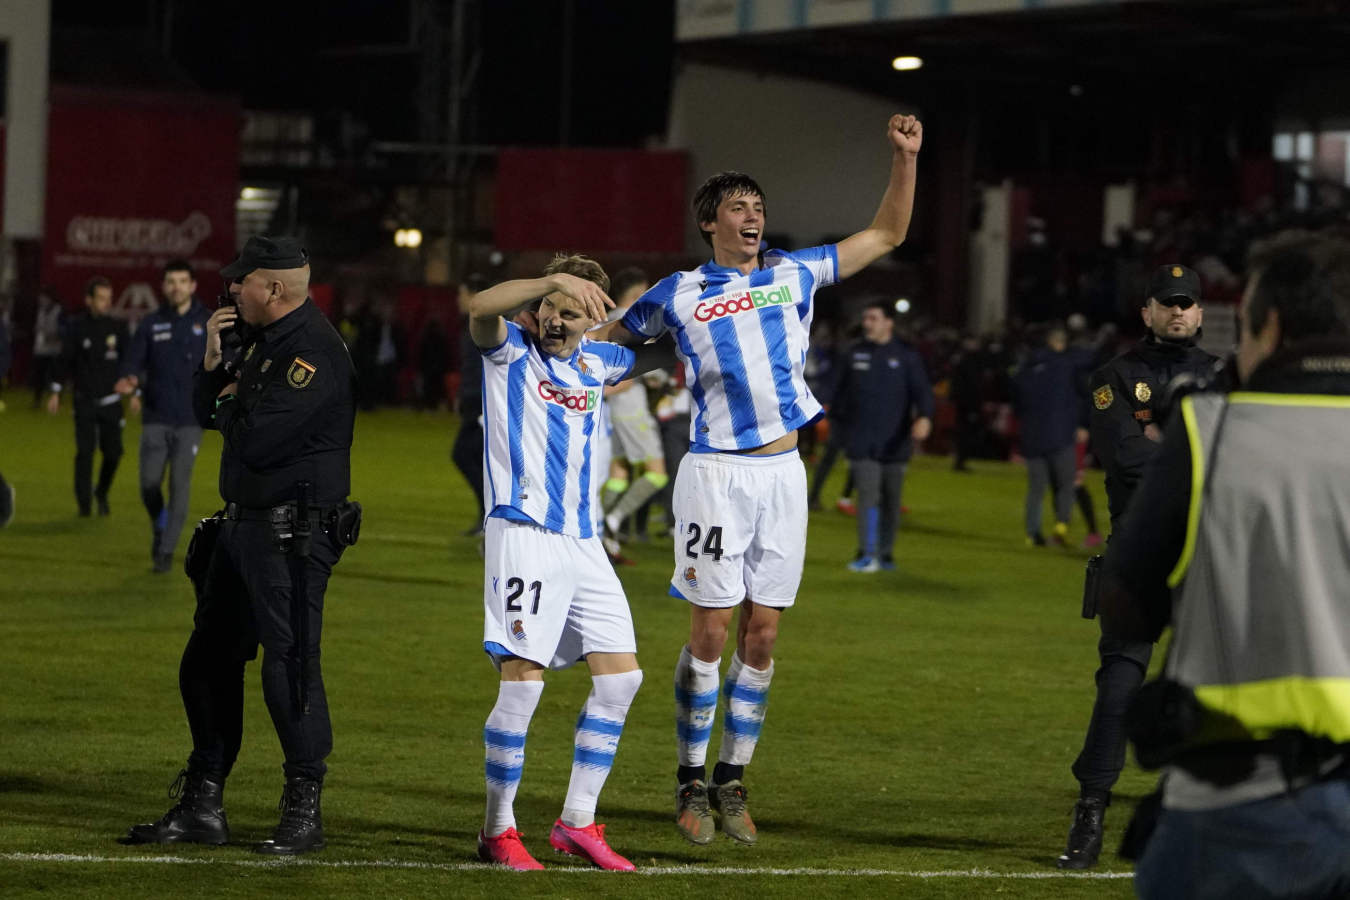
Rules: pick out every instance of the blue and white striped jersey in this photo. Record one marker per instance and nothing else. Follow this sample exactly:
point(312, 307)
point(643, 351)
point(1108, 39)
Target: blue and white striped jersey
point(540, 415)
point(743, 341)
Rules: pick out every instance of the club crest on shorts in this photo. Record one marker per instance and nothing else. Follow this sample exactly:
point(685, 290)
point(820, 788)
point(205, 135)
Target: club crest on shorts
point(691, 577)
point(1142, 392)
point(518, 630)
point(300, 373)
point(1103, 397)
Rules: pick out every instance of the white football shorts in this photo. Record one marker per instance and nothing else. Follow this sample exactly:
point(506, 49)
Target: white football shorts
point(637, 437)
point(550, 598)
point(740, 525)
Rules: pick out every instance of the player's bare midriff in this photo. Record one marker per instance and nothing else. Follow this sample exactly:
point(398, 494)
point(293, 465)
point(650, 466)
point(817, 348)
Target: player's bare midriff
point(778, 445)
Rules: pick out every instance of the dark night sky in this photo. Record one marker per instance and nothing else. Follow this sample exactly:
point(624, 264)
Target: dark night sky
point(295, 56)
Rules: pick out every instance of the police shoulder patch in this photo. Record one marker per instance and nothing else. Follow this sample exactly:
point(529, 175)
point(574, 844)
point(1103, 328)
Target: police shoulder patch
point(300, 373)
point(1103, 397)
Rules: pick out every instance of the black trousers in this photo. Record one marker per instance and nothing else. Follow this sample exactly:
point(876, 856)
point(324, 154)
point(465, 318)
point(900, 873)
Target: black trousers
point(969, 429)
point(467, 452)
point(244, 601)
point(1122, 670)
point(96, 426)
point(833, 449)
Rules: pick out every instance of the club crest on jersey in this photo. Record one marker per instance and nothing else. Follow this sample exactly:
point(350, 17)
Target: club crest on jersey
point(1102, 397)
point(691, 577)
point(746, 301)
point(300, 373)
point(579, 399)
point(518, 630)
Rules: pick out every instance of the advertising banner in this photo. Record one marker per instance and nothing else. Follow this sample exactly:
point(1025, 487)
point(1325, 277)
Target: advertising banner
point(135, 179)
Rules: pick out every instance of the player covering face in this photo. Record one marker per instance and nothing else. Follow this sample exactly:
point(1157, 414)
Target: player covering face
point(550, 596)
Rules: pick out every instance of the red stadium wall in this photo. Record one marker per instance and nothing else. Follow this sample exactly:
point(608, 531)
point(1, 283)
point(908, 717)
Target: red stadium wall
point(591, 201)
point(135, 179)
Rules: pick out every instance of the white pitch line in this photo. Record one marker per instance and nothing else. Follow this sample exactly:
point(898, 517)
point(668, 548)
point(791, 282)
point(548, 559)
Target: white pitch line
point(987, 874)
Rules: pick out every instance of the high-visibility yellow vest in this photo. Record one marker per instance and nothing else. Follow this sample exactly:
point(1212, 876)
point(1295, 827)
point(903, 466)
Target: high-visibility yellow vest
point(1261, 612)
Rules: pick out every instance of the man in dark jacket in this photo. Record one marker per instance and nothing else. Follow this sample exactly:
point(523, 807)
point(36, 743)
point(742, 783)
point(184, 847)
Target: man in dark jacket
point(884, 403)
point(1051, 412)
point(1127, 418)
point(92, 349)
point(164, 352)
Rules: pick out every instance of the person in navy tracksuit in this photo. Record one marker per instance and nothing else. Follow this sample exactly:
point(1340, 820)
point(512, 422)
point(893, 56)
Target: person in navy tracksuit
point(1051, 413)
point(164, 352)
point(884, 403)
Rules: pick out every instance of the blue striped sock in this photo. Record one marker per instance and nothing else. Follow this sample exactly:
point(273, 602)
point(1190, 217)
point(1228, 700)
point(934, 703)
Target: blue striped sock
point(599, 728)
point(695, 707)
point(504, 750)
point(747, 695)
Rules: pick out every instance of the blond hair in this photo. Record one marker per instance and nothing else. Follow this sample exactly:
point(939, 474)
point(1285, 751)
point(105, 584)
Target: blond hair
point(580, 266)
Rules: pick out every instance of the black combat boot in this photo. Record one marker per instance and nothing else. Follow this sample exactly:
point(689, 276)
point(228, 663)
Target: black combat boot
point(1085, 835)
point(301, 827)
point(197, 818)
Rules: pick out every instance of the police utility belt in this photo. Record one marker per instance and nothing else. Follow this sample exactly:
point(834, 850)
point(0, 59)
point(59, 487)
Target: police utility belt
point(290, 529)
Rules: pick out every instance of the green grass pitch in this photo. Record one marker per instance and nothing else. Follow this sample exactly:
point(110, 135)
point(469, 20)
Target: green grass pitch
point(921, 723)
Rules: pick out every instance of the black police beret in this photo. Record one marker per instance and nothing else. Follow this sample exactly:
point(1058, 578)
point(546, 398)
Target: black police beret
point(267, 253)
point(1174, 281)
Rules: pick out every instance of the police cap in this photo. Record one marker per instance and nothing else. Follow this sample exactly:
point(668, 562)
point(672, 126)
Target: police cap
point(1173, 280)
point(262, 252)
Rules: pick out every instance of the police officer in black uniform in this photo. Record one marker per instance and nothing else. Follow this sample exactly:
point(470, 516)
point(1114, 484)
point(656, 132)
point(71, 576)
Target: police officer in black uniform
point(1126, 421)
point(284, 404)
point(92, 349)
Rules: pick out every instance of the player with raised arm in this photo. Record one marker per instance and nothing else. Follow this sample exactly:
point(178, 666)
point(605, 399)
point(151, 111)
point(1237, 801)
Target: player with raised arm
point(550, 595)
point(741, 324)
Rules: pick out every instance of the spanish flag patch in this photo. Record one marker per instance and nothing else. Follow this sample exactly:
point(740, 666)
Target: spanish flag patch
point(300, 373)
